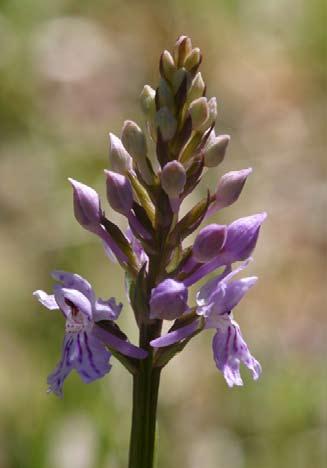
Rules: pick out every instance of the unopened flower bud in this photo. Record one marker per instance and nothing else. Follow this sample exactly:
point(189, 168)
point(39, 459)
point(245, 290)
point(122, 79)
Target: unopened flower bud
point(242, 236)
point(135, 143)
point(215, 152)
point(197, 88)
point(166, 123)
point(230, 186)
point(212, 106)
point(147, 100)
point(119, 192)
point(209, 242)
point(168, 65)
point(121, 161)
point(173, 179)
point(87, 207)
point(199, 111)
point(212, 103)
point(182, 48)
point(193, 59)
point(168, 300)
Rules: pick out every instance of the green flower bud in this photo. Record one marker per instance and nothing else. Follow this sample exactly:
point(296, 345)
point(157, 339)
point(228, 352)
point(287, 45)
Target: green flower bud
point(212, 103)
point(134, 141)
point(182, 48)
point(168, 66)
point(167, 123)
point(199, 111)
point(147, 100)
point(120, 159)
point(193, 59)
point(197, 88)
point(212, 106)
point(215, 152)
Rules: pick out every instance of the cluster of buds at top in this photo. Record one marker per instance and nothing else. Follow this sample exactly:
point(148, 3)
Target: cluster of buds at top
point(148, 191)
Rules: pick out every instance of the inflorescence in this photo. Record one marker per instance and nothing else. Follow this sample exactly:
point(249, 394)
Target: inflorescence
point(159, 266)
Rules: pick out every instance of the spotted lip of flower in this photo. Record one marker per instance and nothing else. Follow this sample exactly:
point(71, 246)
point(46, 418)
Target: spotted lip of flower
point(84, 345)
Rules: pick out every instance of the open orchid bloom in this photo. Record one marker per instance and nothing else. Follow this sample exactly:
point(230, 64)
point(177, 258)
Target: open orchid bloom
point(85, 343)
point(215, 301)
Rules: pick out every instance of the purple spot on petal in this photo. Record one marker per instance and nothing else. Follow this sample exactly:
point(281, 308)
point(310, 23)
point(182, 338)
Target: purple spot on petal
point(90, 355)
point(80, 351)
point(227, 343)
point(235, 342)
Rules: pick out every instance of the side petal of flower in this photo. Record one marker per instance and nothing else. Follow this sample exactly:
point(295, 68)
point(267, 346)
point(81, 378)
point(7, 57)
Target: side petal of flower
point(229, 350)
point(175, 336)
point(124, 347)
point(47, 300)
point(236, 290)
point(106, 309)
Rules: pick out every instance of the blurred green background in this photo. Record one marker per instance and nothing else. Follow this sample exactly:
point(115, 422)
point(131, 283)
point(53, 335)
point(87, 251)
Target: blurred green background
point(70, 71)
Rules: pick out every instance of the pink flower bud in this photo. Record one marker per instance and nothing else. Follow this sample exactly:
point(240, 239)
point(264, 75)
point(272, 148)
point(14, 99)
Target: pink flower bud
point(168, 300)
point(119, 192)
point(215, 151)
point(173, 178)
point(230, 186)
point(121, 160)
point(87, 208)
point(209, 242)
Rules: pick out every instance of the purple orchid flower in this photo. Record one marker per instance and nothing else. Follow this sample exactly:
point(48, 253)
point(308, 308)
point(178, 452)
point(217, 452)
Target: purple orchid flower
point(242, 236)
point(84, 345)
point(215, 301)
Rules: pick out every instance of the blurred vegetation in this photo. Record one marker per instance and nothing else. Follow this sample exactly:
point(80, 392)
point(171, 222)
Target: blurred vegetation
point(70, 71)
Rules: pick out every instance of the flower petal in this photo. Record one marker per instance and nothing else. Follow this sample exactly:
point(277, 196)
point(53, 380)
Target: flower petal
point(219, 297)
point(229, 350)
point(64, 367)
point(47, 300)
point(124, 347)
point(74, 281)
point(92, 358)
point(168, 300)
point(175, 336)
point(236, 290)
point(64, 296)
point(106, 309)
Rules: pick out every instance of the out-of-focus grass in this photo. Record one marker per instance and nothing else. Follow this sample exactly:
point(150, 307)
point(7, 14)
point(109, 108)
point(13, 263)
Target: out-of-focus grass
point(70, 72)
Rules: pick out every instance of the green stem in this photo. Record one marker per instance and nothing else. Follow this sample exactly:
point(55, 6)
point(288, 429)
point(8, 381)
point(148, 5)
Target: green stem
point(145, 397)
